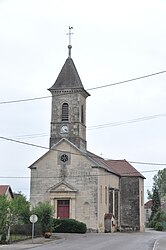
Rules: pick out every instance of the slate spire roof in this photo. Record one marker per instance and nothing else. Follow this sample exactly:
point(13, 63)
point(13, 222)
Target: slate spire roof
point(68, 77)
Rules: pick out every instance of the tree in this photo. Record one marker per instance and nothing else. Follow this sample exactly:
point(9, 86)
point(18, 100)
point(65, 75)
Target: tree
point(156, 204)
point(158, 219)
point(20, 209)
point(44, 211)
point(15, 211)
point(4, 205)
point(159, 181)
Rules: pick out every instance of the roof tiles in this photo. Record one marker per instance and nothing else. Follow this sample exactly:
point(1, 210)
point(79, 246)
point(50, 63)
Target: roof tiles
point(124, 168)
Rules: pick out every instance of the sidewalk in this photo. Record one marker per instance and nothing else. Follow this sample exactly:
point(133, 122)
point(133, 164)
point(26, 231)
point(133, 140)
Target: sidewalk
point(26, 244)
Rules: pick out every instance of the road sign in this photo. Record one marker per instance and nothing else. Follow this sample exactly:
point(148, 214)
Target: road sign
point(33, 218)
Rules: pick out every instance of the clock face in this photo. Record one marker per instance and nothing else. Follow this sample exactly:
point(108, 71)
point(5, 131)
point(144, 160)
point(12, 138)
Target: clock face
point(64, 129)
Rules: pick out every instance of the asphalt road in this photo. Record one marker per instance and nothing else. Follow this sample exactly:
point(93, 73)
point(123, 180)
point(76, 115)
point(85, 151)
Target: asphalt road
point(149, 240)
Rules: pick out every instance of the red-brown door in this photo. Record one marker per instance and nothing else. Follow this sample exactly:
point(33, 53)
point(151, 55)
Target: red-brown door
point(63, 209)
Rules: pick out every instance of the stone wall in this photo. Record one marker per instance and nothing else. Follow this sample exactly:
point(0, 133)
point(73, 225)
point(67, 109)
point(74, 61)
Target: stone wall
point(129, 200)
point(77, 172)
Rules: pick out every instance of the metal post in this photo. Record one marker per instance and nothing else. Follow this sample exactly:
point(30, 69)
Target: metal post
point(33, 219)
point(33, 229)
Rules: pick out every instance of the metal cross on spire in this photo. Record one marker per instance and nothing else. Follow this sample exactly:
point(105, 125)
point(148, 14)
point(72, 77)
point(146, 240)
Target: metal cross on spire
point(69, 34)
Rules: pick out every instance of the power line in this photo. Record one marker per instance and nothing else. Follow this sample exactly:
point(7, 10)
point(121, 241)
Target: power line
point(130, 80)
point(112, 124)
point(90, 89)
point(31, 136)
point(139, 119)
point(62, 151)
point(148, 163)
point(73, 176)
point(25, 100)
point(21, 142)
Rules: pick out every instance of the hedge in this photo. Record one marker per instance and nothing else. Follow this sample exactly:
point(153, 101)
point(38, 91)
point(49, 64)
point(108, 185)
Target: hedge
point(68, 226)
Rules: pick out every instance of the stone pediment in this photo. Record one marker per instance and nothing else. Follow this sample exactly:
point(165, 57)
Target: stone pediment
point(62, 187)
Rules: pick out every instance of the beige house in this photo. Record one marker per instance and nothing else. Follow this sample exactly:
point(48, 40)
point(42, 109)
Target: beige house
point(78, 183)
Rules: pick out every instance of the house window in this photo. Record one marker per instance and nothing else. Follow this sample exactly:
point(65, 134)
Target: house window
point(65, 112)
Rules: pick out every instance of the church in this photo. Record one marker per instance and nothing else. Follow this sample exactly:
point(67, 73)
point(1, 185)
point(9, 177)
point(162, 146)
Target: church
point(104, 194)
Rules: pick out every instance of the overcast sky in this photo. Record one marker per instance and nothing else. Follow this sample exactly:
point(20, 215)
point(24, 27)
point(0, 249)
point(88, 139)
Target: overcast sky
point(113, 41)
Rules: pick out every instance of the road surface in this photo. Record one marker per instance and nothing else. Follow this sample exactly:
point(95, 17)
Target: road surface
point(116, 241)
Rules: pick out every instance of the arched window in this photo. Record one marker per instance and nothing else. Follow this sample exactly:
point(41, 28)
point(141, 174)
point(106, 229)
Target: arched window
point(82, 114)
point(65, 112)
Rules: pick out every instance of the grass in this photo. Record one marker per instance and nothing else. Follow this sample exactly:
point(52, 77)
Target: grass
point(18, 237)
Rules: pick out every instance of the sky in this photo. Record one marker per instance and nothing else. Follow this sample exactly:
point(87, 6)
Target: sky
point(112, 41)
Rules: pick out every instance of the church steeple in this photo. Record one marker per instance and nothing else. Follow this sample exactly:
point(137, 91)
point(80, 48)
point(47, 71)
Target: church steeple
point(68, 119)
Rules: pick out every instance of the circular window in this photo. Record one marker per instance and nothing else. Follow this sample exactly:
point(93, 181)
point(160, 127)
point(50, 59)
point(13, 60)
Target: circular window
point(64, 158)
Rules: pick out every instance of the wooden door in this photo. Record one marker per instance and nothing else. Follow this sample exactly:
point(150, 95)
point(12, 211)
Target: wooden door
point(63, 209)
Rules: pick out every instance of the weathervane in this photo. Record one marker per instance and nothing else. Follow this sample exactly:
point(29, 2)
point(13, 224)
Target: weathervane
point(69, 34)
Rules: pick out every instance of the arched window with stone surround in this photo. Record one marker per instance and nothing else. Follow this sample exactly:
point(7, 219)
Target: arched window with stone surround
point(65, 112)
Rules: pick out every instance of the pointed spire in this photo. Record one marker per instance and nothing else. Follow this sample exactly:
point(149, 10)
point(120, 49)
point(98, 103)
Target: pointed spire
point(68, 77)
point(69, 34)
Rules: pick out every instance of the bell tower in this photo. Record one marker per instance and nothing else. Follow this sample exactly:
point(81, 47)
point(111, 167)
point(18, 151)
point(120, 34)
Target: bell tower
point(68, 117)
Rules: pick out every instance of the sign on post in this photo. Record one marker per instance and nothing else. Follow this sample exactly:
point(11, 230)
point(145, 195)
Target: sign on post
point(33, 219)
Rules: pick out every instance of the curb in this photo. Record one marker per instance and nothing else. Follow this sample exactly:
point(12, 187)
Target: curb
point(155, 245)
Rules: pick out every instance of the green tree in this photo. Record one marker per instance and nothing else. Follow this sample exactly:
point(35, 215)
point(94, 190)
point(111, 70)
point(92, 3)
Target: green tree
point(20, 209)
point(158, 219)
point(156, 204)
point(4, 205)
point(44, 211)
point(159, 181)
point(149, 194)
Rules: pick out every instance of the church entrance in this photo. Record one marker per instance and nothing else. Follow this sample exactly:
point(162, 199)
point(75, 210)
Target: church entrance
point(63, 209)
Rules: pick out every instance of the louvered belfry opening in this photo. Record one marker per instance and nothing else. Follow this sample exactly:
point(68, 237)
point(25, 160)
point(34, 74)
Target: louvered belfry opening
point(65, 112)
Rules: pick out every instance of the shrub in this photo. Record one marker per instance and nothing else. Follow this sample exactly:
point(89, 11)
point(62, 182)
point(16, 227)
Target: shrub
point(44, 211)
point(157, 220)
point(3, 237)
point(69, 226)
point(159, 226)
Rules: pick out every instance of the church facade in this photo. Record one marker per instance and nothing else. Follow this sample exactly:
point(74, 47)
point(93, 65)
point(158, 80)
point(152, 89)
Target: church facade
point(78, 183)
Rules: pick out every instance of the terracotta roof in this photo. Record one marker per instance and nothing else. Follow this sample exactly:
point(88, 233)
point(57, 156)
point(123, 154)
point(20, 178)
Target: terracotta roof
point(118, 167)
point(123, 168)
point(4, 189)
point(101, 163)
point(148, 204)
